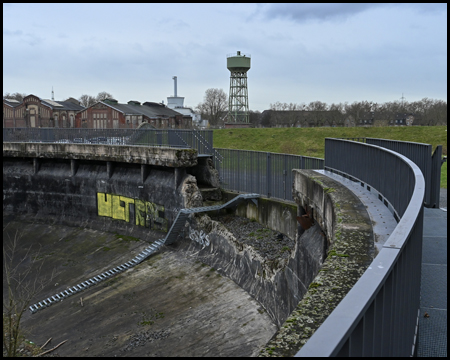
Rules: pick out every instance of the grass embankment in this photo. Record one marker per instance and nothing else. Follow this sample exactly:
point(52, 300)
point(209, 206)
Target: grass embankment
point(311, 141)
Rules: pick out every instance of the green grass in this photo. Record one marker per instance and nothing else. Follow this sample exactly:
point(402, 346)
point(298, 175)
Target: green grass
point(311, 141)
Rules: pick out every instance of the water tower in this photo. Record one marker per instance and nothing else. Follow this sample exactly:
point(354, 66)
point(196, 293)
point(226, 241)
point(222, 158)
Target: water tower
point(238, 101)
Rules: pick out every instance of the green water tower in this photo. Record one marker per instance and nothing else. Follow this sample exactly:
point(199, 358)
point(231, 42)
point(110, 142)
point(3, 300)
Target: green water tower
point(238, 100)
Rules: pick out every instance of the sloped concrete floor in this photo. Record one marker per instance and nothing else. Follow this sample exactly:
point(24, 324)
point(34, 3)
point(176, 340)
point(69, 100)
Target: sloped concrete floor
point(169, 305)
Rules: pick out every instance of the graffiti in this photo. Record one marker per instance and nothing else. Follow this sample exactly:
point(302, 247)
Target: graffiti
point(199, 237)
point(147, 214)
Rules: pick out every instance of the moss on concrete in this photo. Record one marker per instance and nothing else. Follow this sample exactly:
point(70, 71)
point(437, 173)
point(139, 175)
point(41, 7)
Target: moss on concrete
point(350, 253)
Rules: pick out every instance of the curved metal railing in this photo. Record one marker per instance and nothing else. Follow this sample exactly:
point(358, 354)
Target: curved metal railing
point(379, 315)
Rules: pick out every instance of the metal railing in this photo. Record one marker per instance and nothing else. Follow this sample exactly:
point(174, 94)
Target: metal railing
point(196, 139)
point(421, 155)
point(379, 315)
point(265, 173)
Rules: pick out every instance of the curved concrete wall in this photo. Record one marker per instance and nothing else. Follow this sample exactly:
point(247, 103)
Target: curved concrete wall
point(350, 250)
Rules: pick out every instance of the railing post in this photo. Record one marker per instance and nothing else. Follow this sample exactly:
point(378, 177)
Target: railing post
point(435, 182)
point(284, 175)
point(269, 172)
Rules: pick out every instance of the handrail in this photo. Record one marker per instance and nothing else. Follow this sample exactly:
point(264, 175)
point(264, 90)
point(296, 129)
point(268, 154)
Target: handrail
point(379, 315)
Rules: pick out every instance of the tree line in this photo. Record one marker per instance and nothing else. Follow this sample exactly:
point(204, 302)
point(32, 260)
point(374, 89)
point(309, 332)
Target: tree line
point(429, 111)
point(317, 113)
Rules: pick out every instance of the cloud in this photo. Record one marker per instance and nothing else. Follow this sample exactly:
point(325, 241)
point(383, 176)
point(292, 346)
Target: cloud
point(19, 36)
point(335, 11)
point(304, 12)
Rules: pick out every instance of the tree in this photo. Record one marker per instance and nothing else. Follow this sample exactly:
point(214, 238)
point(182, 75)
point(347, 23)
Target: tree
point(439, 112)
point(103, 95)
point(23, 282)
point(86, 100)
point(355, 111)
point(318, 115)
point(16, 96)
point(389, 110)
point(214, 105)
point(284, 114)
point(254, 117)
point(337, 116)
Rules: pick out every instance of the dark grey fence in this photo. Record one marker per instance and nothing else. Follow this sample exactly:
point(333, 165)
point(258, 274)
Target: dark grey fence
point(265, 173)
point(421, 155)
point(202, 140)
point(379, 315)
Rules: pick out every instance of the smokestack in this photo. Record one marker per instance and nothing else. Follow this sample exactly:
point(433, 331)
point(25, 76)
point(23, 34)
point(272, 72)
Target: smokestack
point(175, 86)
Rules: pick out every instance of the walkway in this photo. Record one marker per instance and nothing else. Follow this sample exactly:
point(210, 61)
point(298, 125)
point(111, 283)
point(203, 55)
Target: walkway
point(433, 302)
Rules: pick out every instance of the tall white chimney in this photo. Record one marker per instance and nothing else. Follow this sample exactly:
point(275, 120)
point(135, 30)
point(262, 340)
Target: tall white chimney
point(175, 86)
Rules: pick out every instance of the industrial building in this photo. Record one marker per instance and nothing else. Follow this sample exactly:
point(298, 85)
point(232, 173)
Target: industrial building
point(177, 103)
point(110, 114)
point(36, 112)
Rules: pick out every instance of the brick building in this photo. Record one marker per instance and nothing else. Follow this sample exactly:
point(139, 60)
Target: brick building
point(109, 114)
point(36, 112)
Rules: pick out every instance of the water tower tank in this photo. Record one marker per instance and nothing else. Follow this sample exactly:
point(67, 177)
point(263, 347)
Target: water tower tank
point(238, 109)
point(238, 62)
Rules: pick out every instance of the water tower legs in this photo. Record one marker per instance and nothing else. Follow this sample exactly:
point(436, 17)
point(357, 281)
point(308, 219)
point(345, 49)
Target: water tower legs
point(238, 99)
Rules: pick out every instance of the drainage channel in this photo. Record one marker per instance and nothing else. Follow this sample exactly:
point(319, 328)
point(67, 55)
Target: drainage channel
point(171, 236)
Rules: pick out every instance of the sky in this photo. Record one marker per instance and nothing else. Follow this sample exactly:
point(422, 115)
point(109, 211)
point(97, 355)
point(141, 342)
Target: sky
point(299, 52)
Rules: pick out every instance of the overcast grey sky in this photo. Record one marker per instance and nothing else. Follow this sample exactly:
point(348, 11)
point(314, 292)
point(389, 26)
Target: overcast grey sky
point(299, 52)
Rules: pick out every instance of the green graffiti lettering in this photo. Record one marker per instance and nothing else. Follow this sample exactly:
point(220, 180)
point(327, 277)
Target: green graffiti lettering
point(139, 206)
point(155, 216)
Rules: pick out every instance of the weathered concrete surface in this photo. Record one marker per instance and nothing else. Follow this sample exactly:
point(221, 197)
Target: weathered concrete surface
point(192, 196)
point(169, 305)
point(55, 193)
point(161, 156)
point(350, 251)
point(207, 179)
point(277, 283)
point(276, 214)
point(205, 172)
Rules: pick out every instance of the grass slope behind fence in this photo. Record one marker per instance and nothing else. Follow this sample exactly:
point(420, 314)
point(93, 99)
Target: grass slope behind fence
point(311, 141)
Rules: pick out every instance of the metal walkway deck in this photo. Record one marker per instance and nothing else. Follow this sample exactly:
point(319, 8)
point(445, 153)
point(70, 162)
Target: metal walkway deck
point(432, 341)
point(170, 237)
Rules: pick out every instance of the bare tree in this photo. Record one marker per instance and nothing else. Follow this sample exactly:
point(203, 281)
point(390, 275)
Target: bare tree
point(254, 117)
point(389, 110)
point(318, 112)
point(354, 111)
point(439, 112)
point(15, 96)
point(23, 282)
point(214, 105)
point(103, 95)
point(337, 115)
point(86, 100)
